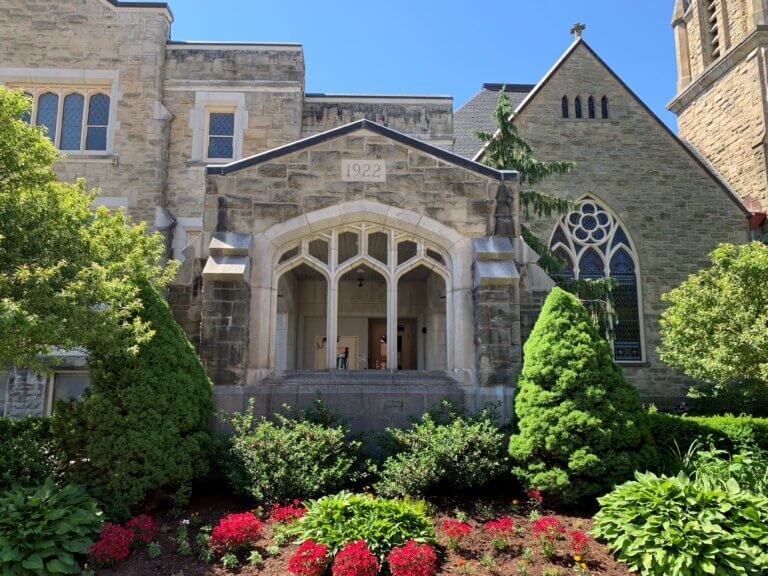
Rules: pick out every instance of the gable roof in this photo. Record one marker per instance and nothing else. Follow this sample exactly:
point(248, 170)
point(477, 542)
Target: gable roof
point(476, 114)
point(421, 145)
point(693, 155)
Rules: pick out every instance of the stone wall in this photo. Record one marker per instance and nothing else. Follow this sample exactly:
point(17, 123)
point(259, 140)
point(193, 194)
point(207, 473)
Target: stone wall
point(26, 394)
point(675, 212)
point(94, 35)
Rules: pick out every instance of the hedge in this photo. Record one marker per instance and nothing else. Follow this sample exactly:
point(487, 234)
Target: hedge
point(26, 452)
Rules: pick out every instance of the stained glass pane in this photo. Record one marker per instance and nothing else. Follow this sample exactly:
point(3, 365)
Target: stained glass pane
point(589, 223)
point(221, 124)
point(620, 238)
point(591, 105)
point(559, 237)
point(578, 108)
point(626, 311)
point(602, 218)
point(591, 265)
point(220, 147)
point(566, 111)
point(604, 106)
point(98, 110)
point(72, 122)
point(47, 113)
point(96, 139)
point(588, 208)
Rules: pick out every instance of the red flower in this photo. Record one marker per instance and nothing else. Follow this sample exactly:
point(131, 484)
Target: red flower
point(413, 559)
point(535, 494)
point(456, 529)
point(143, 528)
point(548, 528)
point(500, 528)
point(287, 514)
point(355, 559)
point(579, 542)
point(236, 531)
point(113, 545)
point(309, 560)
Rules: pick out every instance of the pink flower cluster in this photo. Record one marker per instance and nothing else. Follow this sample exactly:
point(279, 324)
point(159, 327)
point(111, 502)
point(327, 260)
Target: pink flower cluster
point(548, 528)
point(456, 529)
point(310, 559)
point(288, 513)
point(113, 545)
point(355, 559)
point(535, 495)
point(236, 531)
point(413, 559)
point(143, 528)
point(579, 542)
point(500, 528)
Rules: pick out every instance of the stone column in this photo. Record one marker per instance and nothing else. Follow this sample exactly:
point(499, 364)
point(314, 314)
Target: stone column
point(760, 12)
point(26, 394)
point(681, 46)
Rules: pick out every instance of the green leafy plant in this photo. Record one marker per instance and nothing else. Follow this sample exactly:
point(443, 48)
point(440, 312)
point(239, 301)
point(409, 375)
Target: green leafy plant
point(142, 429)
point(27, 452)
point(748, 468)
point(581, 427)
point(433, 457)
point(382, 523)
point(674, 525)
point(229, 561)
point(154, 550)
point(255, 558)
point(44, 530)
point(289, 458)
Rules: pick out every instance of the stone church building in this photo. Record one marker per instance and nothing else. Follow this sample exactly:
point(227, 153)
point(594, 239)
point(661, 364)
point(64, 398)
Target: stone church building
point(355, 246)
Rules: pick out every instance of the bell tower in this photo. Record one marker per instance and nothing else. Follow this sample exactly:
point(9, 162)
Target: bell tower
point(722, 87)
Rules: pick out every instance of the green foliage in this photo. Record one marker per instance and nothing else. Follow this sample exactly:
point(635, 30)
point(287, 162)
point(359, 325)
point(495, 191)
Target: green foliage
point(714, 328)
point(27, 453)
point(581, 427)
point(288, 458)
point(673, 525)
point(435, 457)
point(44, 529)
point(749, 468)
point(382, 523)
point(142, 428)
point(67, 272)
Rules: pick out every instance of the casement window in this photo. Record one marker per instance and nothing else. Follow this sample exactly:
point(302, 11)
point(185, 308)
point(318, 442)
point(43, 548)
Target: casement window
point(66, 385)
point(220, 135)
point(75, 120)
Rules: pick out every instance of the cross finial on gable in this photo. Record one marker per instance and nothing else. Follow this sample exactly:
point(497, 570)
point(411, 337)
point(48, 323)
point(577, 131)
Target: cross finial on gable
point(578, 29)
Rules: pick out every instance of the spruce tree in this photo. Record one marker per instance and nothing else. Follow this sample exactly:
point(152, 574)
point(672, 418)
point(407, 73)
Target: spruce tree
point(581, 427)
point(142, 429)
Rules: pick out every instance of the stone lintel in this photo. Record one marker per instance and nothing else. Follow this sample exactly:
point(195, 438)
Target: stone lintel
point(228, 268)
point(495, 273)
point(493, 248)
point(230, 244)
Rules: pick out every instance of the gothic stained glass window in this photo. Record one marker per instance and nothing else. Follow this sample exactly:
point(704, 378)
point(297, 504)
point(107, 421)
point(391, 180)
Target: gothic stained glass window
point(566, 108)
point(578, 107)
point(98, 121)
point(47, 113)
point(604, 107)
point(594, 244)
point(72, 122)
point(221, 132)
point(591, 107)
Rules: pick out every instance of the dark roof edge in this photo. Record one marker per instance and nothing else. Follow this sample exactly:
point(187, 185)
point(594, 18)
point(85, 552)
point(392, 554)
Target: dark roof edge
point(387, 96)
point(450, 157)
point(580, 41)
point(508, 87)
point(202, 43)
point(153, 5)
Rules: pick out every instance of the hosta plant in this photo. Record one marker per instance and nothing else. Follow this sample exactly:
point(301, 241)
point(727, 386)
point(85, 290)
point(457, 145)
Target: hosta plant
point(45, 530)
point(673, 525)
point(382, 523)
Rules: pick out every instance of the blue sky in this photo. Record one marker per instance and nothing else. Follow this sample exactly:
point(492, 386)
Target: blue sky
point(446, 47)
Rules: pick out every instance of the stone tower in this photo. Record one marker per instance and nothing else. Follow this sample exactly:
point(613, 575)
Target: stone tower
point(722, 89)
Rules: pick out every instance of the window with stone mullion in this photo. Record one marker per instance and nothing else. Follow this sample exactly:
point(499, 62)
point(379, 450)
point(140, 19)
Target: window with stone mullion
point(221, 135)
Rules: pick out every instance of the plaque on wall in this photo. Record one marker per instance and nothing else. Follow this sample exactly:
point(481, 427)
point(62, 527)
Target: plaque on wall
point(363, 171)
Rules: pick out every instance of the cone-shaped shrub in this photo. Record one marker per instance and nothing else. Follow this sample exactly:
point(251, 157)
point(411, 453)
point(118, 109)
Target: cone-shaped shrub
point(142, 428)
point(581, 427)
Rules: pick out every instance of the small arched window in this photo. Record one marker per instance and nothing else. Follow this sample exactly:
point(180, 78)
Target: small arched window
point(72, 122)
point(604, 106)
point(47, 113)
point(566, 107)
point(579, 113)
point(591, 107)
point(98, 121)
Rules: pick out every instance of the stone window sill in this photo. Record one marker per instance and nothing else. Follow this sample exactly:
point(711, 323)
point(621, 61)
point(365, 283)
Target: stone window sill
point(633, 364)
point(94, 158)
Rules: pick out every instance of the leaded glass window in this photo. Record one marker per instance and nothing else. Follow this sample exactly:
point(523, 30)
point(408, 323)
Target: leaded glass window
point(595, 244)
point(604, 107)
point(591, 107)
point(48, 113)
point(577, 104)
point(221, 135)
point(72, 122)
point(98, 122)
point(566, 107)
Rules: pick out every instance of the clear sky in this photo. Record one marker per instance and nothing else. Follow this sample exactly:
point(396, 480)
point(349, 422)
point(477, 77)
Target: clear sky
point(446, 47)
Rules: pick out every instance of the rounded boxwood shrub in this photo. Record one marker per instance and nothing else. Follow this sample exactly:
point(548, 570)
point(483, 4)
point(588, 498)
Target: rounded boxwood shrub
point(142, 430)
point(581, 426)
point(44, 530)
point(432, 457)
point(382, 523)
point(672, 525)
point(27, 452)
point(288, 458)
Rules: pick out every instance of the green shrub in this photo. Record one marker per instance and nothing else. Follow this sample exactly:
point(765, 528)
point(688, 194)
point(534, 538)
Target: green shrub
point(44, 529)
point(433, 457)
point(748, 468)
point(382, 523)
point(288, 458)
point(27, 455)
point(581, 427)
point(142, 430)
point(672, 525)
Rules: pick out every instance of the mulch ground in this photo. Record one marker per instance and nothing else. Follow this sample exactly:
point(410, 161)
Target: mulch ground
point(475, 557)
